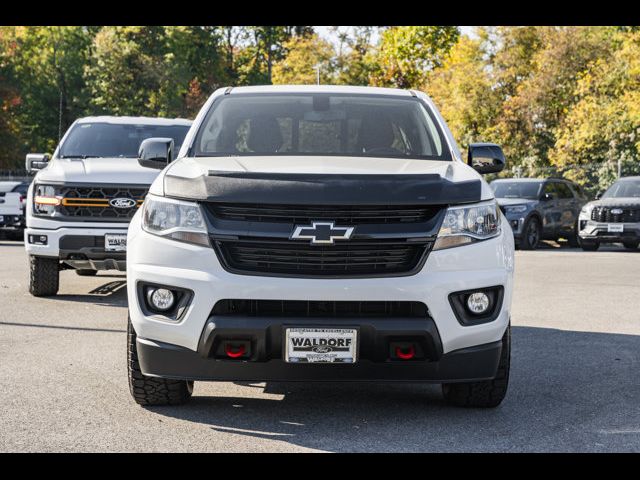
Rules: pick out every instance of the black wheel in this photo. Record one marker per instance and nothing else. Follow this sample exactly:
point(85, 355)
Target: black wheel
point(631, 245)
point(589, 245)
point(86, 272)
point(485, 394)
point(531, 234)
point(150, 391)
point(572, 240)
point(44, 276)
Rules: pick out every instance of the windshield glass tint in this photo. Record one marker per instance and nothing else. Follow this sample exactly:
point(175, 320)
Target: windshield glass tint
point(623, 189)
point(115, 140)
point(320, 124)
point(530, 190)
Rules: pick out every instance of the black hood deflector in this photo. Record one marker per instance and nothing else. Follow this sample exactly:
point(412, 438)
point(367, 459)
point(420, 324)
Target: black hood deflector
point(322, 189)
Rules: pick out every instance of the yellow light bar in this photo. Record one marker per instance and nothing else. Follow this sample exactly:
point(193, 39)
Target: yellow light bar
point(42, 200)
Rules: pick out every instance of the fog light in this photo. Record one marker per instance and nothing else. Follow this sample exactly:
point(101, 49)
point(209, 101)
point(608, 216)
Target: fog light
point(478, 303)
point(161, 299)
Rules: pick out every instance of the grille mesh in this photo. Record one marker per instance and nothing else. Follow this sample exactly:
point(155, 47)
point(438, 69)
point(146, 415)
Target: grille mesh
point(343, 259)
point(361, 214)
point(604, 214)
point(102, 210)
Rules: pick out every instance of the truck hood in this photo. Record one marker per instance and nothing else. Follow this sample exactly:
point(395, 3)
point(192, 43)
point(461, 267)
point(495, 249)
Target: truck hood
point(97, 170)
point(503, 202)
point(323, 178)
point(617, 202)
point(194, 167)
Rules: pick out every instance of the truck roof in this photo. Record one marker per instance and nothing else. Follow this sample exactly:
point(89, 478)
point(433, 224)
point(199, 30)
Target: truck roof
point(136, 120)
point(320, 89)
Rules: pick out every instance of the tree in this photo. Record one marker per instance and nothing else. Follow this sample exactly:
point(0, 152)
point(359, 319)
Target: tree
point(406, 55)
point(463, 91)
point(302, 55)
point(603, 127)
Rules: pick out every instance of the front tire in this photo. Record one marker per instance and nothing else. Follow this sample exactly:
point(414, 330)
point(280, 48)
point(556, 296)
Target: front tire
point(149, 391)
point(531, 234)
point(44, 276)
point(589, 246)
point(86, 272)
point(484, 394)
point(631, 245)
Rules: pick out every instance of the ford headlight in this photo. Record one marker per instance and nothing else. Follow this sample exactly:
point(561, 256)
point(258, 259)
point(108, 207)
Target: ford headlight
point(586, 210)
point(175, 219)
point(468, 224)
point(516, 209)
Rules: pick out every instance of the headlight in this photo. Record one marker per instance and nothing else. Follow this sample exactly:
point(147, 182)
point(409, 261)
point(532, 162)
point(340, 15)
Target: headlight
point(174, 219)
point(467, 224)
point(45, 199)
point(586, 210)
point(516, 209)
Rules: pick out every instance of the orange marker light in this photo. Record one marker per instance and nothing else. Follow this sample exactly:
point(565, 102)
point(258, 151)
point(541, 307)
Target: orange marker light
point(42, 200)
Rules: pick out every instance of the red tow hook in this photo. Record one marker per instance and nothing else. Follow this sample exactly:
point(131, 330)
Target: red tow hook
point(406, 355)
point(234, 352)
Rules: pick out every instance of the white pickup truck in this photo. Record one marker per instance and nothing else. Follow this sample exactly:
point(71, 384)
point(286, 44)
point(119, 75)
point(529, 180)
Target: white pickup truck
point(81, 201)
point(11, 209)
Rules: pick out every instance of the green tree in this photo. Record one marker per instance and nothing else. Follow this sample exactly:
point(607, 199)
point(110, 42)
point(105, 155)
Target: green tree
point(603, 127)
point(303, 53)
point(406, 55)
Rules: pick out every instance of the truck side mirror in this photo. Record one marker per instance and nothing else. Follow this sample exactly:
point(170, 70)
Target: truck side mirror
point(156, 152)
point(547, 197)
point(598, 195)
point(486, 157)
point(35, 162)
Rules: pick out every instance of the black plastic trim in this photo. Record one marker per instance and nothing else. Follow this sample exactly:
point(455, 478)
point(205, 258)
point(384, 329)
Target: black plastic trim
point(323, 189)
point(465, 318)
point(176, 313)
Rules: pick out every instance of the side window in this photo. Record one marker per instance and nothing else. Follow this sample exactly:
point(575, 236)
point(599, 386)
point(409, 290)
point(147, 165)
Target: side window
point(563, 191)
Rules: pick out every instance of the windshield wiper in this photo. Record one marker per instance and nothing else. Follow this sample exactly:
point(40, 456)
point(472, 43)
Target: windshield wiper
point(80, 156)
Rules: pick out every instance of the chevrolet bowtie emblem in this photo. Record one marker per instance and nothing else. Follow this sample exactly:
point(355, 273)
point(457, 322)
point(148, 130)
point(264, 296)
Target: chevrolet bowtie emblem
point(321, 233)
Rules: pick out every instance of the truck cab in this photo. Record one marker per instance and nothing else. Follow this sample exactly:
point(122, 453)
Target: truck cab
point(82, 198)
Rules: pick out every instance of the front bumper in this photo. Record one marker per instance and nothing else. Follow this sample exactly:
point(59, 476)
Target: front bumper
point(155, 260)
point(171, 361)
point(77, 246)
point(599, 232)
point(12, 222)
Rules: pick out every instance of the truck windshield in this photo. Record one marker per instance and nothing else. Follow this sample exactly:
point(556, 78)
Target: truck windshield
point(321, 124)
point(529, 190)
point(88, 140)
point(625, 188)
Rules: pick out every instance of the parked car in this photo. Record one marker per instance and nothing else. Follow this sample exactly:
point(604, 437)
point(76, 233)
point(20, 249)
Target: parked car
point(12, 208)
point(81, 201)
point(319, 233)
point(613, 217)
point(540, 209)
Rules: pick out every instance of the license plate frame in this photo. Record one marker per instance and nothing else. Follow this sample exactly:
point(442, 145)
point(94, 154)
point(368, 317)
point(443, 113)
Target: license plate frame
point(115, 242)
point(615, 227)
point(336, 353)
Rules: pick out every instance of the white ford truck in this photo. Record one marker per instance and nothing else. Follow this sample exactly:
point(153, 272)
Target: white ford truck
point(318, 233)
point(81, 201)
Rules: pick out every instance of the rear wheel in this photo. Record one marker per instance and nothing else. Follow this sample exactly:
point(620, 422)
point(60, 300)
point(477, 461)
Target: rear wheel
point(631, 245)
point(531, 234)
point(44, 276)
point(150, 391)
point(86, 272)
point(484, 394)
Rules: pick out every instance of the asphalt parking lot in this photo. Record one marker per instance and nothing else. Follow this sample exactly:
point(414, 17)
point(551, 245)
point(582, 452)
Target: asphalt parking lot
point(574, 380)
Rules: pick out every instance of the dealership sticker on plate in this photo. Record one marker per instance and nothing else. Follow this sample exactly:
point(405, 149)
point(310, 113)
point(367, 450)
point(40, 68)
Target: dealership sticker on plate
point(115, 242)
point(321, 345)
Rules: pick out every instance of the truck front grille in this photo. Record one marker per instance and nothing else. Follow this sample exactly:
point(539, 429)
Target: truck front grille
point(347, 259)
point(92, 202)
point(323, 308)
point(360, 214)
point(605, 215)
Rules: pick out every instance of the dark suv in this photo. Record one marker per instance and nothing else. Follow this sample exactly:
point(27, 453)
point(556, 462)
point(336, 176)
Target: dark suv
point(540, 209)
